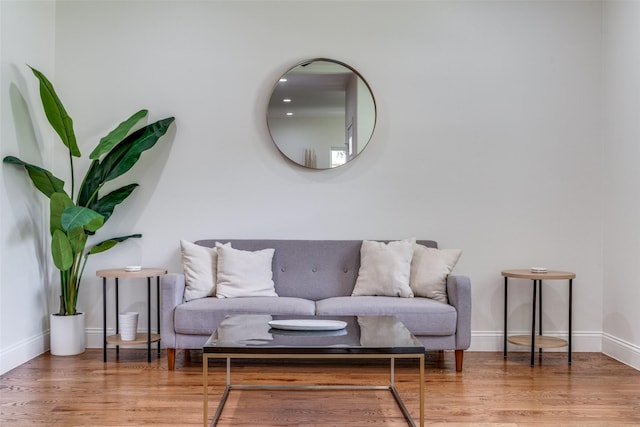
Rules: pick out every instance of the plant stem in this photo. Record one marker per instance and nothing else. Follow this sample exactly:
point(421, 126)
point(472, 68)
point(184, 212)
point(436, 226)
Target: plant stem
point(84, 263)
point(61, 310)
point(76, 272)
point(94, 195)
point(64, 278)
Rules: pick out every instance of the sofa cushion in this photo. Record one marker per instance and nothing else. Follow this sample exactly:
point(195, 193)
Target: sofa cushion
point(422, 316)
point(385, 269)
point(202, 316)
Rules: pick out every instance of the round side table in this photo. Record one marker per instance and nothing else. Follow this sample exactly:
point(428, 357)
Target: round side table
point(540, 341)
point(141, 338)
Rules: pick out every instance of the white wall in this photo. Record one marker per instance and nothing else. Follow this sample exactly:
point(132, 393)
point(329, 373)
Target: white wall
point(621, 287)
point(27, 37)
point(488, 136)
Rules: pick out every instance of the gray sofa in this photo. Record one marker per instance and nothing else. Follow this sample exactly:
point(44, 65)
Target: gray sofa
point(315, 277)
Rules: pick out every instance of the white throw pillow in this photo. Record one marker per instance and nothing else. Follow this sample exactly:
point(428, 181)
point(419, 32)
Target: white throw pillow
point(429, 270)
point(199, 265)
point(244, 273)
point(385, 269)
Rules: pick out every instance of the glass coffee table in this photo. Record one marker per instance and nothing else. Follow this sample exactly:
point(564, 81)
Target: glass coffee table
point(314, 337)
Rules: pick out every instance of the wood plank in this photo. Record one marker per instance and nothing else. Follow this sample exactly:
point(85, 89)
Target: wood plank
point(141, 338)
point(491, 391)
point(541, 341)
point(121, 273)
point(547, 275)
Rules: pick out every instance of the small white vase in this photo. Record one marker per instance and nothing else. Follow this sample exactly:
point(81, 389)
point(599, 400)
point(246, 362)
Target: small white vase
point(66, 334)
point(128, 323)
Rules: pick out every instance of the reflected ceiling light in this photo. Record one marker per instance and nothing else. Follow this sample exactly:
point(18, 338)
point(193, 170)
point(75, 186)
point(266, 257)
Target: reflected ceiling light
point(289, 113)
point(282, 80)
point(286, 100)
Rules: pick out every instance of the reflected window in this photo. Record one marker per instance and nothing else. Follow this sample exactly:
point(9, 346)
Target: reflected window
point(338, 156)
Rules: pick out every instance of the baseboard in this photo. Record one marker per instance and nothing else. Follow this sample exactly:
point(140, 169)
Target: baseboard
point(621, 350)
point(480, 341)
point(590, 342)
point(93, 337)
point(494, 341)
point(614, 347)
point(23, 351)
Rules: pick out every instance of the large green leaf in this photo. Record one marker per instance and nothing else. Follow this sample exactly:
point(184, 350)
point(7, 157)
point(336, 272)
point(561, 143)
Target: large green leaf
point(90, 184)
point(116, 135)
point(126, 153)
point(120, 159)
point(59, 202)
point(78, 216)
point(56, 114)
point(107, 204)
point(43, 180)
point(108, 244)
point(61, 251)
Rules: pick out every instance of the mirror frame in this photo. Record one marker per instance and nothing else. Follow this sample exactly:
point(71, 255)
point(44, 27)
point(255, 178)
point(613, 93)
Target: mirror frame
point(311, 160)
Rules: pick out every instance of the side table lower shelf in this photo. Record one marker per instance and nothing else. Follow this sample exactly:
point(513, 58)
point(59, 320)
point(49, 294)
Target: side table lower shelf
point(540, 341)
point(141, 338)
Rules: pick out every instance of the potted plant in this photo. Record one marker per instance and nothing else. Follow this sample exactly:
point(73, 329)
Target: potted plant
point(76, 216)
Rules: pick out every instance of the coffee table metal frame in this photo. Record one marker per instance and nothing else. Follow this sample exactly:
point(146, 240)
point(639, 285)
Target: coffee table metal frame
point(271, 355)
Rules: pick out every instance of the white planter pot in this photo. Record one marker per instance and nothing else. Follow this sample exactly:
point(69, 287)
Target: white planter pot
point(66, 334)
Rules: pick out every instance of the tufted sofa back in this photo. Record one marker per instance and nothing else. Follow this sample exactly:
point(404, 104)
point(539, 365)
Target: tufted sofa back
point(312, 269)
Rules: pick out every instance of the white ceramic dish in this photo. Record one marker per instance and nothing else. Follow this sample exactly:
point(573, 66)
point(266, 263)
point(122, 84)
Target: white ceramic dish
point(308, 324)
point(308, 333)
point(538, 269)
point(133, 268)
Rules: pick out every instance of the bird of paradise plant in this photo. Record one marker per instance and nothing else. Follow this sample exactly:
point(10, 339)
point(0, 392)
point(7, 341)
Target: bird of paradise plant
point(73, 217)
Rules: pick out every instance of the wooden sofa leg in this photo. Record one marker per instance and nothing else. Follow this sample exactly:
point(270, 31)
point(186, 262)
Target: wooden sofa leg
point(171, 359)
point(187, 357)
point(459, 357)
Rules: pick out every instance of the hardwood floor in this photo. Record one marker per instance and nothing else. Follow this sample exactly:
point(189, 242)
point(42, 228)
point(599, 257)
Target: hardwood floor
point(82, 390)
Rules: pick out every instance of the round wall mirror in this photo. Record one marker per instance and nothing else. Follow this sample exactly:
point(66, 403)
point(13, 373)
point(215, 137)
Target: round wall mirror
point(321, 114)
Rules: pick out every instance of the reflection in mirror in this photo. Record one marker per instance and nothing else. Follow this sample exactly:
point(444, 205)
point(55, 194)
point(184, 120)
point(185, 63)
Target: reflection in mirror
point(321, 114)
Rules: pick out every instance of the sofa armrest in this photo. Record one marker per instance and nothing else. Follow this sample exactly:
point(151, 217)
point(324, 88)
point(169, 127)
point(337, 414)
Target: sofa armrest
point(459, 294)
point(172, 289)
